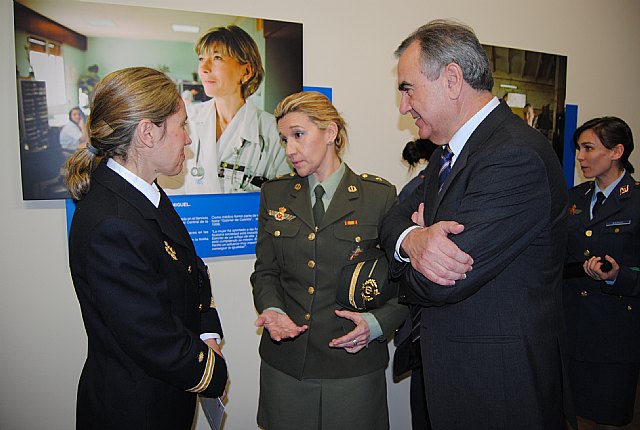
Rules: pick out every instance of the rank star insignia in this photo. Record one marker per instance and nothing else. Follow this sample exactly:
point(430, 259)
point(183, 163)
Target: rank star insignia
point(170, 250)
point(624, 189)
point(573, 210)
point(280, 214)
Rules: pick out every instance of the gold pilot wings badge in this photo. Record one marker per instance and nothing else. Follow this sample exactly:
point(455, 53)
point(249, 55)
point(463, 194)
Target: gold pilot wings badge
point(280, 214)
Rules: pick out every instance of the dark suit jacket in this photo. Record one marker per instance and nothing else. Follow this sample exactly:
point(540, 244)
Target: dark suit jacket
point(491, 344)
point(297, 270)
point(603, 322)
point(145, 299)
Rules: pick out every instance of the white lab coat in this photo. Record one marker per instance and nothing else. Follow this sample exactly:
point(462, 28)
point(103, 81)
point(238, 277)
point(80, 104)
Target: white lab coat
point(248, 149)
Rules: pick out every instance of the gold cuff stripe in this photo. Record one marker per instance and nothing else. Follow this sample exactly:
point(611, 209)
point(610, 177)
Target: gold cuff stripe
point(208, 373)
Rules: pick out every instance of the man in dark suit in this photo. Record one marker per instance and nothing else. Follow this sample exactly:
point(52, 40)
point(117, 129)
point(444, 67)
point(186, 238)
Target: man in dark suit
point(479, 246)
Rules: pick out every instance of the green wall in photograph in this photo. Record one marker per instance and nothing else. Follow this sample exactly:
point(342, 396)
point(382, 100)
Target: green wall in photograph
point(112, 54)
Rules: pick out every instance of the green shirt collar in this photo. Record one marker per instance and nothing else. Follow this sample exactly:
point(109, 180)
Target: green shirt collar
point(330, 185)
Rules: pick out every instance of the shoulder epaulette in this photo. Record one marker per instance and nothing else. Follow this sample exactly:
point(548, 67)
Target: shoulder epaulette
point(587, 184)
point(374, 178)
point(285, 176)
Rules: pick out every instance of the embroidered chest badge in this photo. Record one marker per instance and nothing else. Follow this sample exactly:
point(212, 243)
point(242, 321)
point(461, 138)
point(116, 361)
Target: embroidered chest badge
point(170, 250)
point(355, 252)
point(280, 214)
point(573, 210)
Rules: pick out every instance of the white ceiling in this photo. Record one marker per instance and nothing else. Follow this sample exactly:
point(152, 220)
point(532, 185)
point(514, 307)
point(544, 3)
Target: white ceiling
point(131, 22)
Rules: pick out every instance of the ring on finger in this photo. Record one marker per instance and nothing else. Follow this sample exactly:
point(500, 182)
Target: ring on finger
point(355, 342)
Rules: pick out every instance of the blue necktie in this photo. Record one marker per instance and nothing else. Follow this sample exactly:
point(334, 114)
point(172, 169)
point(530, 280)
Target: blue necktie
point(445, 165)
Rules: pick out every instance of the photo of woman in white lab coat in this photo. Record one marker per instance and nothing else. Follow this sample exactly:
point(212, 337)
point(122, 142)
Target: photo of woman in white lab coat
point(235, 146)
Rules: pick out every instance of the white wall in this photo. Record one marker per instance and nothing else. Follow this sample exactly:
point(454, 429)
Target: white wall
point(42, 340)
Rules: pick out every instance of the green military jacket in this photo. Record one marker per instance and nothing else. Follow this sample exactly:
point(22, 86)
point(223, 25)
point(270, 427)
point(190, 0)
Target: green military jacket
point(298, 267)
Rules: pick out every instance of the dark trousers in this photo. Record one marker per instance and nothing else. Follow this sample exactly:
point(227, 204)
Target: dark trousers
point(418, 401)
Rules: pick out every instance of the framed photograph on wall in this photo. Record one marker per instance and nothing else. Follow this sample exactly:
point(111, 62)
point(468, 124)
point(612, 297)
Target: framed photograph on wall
point(534, 85)
point(64, 47)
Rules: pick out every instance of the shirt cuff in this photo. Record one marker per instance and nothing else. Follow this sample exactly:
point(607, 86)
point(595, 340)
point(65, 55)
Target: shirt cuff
point(404, 234)
point(206, 336)
point(375, 331)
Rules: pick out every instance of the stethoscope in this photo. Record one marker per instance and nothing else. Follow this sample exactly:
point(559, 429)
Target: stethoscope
point(197, 171)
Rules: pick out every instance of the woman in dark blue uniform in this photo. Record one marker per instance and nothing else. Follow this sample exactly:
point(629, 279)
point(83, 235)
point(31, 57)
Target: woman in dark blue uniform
point(602, 282)
point(145, 295)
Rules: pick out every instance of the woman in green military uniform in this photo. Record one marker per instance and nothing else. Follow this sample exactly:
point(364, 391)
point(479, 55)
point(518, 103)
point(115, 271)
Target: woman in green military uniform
point(322, 366)
point(602, 281)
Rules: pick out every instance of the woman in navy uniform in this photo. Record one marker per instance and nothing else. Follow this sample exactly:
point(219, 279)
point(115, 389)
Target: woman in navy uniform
point(322, 367)
point(602, 282)
point(145, 295)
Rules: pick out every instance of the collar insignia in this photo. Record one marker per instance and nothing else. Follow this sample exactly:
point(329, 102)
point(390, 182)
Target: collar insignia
point(624, 189)
point(170, 250)
point(280, 214)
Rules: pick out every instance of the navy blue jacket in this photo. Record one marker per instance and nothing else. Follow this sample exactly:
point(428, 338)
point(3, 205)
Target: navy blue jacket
point(145, 298)
point(603, 321)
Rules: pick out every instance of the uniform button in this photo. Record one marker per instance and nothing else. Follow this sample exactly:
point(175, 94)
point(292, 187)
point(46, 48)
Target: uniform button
point(364, 175)
point(358, 239)
point(588, 233)
point(189, 269)
point(307, 317)
point(311, 264)
point(311, 236)
point(629, 308)
point(311, 290)
point(200, 307)
point(587, 253)
point(616, 230)
point(276, 233)
point(584, 293)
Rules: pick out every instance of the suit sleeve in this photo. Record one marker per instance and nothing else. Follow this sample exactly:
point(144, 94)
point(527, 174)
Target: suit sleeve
point(505, 206)
point(627, 283)
point(133, 298)
point(395, 222)
point(209, 318)
point(391, 314)
point(265, 279)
